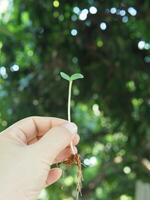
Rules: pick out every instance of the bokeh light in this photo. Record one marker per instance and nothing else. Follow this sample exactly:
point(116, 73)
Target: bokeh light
point(141, 44)
point(113, 10)
point(83, 14)
point(74, 32)
point(56, 3)
point(125, 19)
point(93, 10)
point(132, 11)
point(122, 13)
point(14, 68)
point(103, 26)
point(4, 5)
point(76, 10)
point(127, 170)
point(3, 72)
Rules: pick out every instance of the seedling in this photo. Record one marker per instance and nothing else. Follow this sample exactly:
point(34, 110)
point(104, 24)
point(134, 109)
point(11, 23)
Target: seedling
point(75, 158)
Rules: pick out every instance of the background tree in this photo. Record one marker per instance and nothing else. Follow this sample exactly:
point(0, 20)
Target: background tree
point(108, 42)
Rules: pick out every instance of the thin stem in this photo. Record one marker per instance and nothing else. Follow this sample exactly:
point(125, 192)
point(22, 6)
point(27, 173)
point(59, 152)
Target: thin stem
point(69, 101)
point(69, 111)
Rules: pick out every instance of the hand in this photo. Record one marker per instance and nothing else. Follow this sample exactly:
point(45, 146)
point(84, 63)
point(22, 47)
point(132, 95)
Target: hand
point(27, 150)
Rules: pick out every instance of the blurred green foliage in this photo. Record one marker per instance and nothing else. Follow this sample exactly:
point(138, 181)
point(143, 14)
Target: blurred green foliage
point(108, 42)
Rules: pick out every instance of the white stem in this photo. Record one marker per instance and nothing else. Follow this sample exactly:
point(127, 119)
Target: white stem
point(69, 111)
point(69, 101)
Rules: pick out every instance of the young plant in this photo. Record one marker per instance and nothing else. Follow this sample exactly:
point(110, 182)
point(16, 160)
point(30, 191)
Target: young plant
point(75, 158)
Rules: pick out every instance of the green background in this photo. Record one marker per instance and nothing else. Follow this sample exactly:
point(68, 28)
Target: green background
point(111, 105)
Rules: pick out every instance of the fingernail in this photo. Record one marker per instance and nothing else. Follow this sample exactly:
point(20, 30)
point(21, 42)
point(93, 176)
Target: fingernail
point(73, 149)
point(72, 127)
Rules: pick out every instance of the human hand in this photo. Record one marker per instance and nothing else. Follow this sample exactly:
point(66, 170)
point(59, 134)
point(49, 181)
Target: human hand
point(27, 150)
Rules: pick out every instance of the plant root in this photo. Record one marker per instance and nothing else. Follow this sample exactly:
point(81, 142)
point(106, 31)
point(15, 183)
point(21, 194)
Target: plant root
point(75, 159)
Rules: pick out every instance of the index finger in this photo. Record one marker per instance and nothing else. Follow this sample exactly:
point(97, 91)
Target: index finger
point(34, 126)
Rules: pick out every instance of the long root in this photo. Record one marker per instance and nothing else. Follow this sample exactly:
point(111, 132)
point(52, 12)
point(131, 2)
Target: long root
point(75, 159)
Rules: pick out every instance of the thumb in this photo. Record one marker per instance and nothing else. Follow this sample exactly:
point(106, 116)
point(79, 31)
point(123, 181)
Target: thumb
point(55, 140)
point(53, 175)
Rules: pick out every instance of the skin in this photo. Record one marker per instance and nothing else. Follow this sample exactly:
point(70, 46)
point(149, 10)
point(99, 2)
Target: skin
point(27, 150)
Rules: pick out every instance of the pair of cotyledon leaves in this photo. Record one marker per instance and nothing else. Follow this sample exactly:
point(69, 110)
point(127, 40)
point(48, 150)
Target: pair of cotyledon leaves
point(72, 77)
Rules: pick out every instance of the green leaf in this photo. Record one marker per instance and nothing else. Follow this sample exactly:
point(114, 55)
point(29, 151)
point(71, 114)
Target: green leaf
point(65, 76)
point(76, 76)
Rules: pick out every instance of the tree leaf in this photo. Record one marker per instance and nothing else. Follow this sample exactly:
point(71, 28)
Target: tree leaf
point(65, 76)
point(76, 76)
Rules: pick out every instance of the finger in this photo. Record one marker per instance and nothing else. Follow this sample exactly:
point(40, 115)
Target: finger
point(34, 140)
point(55, 141)
point(32, 127)
point(53, 176)
point(76, 139)
point(64, 155)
